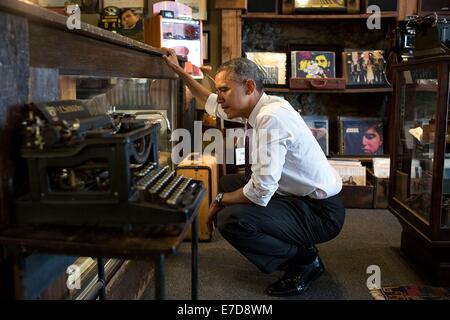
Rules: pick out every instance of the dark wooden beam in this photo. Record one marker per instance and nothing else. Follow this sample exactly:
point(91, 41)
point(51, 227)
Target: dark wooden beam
point(74, 54)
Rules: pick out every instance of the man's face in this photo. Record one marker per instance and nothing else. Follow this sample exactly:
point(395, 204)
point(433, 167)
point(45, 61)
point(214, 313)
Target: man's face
point(231, 94)
point(322, 61)
point(129, 19)
point(371, 141)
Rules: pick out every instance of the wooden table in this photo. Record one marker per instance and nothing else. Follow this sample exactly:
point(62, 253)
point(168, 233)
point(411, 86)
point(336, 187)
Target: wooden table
point(105, 242)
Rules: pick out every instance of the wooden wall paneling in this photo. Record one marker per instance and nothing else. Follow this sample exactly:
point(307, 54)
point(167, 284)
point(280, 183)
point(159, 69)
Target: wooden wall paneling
point(14, 67)
point(231, 34)
point(67, 88)
point(231, 4)
point(407, 8)
point(43, 85)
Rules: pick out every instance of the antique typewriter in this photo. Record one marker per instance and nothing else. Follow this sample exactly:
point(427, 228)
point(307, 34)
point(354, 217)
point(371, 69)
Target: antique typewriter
point(98, 170)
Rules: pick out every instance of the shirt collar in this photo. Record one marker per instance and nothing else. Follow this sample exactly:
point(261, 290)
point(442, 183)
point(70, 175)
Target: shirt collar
point(252, 118)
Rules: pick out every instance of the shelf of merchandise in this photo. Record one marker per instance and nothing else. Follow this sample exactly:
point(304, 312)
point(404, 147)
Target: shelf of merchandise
point(271, 16)
point(350, 90)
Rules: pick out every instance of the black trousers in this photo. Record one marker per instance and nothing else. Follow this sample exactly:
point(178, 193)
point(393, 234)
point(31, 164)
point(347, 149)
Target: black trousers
point(273, 235)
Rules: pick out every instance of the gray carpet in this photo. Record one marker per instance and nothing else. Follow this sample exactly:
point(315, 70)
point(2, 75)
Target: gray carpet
point(369, 237)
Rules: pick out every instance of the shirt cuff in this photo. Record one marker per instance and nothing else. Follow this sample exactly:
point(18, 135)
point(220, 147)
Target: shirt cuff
point(256, 195)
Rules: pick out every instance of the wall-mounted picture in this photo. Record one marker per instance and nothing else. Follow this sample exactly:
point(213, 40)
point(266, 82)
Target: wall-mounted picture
point(273, 65)
point(199, 8)
point(365, 68)
point(319, 128)
point(313, 64)
point(132, 22)
point(361, 136)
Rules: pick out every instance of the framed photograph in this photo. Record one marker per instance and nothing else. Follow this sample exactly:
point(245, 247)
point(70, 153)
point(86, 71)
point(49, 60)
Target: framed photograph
point(361, 136)
point(365, 68)
point(206, 48)
point(313, 64)
point(273, 65)
point(132, 23)
point(199, 8)
point(319, 128)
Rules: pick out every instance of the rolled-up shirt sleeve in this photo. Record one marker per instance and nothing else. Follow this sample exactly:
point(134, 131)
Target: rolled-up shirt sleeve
point(214, 109)
point(267, 158)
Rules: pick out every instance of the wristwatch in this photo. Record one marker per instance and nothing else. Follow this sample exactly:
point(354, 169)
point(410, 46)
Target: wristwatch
point(218, 199)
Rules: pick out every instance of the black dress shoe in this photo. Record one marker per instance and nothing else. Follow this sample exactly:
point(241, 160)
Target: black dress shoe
point(297, 279)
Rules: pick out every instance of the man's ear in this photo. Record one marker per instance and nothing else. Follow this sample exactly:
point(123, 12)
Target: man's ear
point(250, 86)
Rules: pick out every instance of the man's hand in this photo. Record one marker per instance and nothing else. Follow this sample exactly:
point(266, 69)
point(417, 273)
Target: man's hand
point(171, 59)
point(212, 216)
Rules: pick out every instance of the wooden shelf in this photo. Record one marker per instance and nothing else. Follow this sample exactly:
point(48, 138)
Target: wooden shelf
point(363, 90)
point(271, 16)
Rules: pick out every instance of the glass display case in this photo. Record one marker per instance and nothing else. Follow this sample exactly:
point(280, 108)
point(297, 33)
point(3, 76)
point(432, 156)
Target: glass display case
point(420, 159)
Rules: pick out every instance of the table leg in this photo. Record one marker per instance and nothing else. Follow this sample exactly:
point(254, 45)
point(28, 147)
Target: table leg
point(194, 252)
point(159, 278)
point(101, 278)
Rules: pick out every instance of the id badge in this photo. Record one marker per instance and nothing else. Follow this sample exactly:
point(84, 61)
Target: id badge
point(240, 156)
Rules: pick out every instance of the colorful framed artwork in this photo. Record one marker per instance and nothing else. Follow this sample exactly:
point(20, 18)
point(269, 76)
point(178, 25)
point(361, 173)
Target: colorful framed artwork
point(365, 68)
point(361, 136)
point(313, 64)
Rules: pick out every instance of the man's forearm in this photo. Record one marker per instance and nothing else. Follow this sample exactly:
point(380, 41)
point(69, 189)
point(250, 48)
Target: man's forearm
point(198, 91)
point(235, 197)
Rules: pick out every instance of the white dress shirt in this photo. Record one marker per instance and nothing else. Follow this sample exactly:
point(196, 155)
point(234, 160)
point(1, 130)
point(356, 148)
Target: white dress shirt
point(294, 163)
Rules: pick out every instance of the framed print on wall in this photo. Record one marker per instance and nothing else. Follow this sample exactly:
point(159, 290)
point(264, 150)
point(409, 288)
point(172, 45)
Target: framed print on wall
point(199, 8)
point(365, 68)
point(273, 66)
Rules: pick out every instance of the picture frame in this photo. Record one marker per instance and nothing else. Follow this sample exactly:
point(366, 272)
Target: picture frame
point(319, 126)
point(336, 49)
point(313, 64)
point(273, 65)
point(364, 68)
point(206, 48)
point(361, 136)
point(199, 8)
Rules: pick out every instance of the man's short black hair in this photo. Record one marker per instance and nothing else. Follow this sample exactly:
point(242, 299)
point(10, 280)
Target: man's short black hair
point(244, 69)
point(128, 9)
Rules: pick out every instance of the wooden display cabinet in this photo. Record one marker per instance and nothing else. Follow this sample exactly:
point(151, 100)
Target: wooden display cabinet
point(420, 164)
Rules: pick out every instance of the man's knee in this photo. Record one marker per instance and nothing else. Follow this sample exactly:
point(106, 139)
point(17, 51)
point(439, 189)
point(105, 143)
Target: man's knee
point(235, 219)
